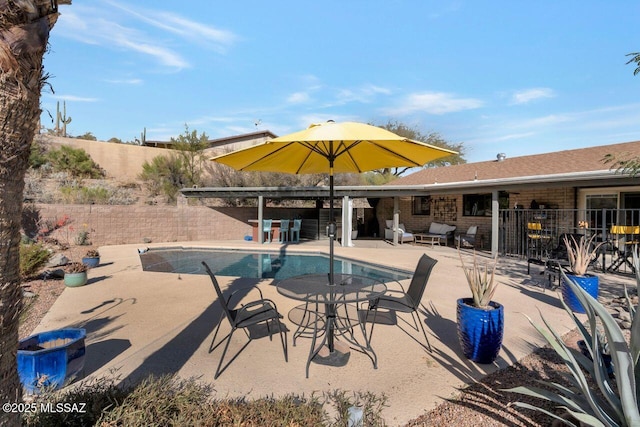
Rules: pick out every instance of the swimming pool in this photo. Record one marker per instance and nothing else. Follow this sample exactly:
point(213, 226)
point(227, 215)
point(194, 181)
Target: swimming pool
point(258, 264)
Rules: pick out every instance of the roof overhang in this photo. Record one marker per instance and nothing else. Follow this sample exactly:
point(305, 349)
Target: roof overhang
point(576, 179)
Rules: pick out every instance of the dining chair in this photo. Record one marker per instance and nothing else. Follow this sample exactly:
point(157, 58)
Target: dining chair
point(295, 230)
point(266, 228)
point(404, 301)
point(247, 316)
point(624, 238)
point(284, 230)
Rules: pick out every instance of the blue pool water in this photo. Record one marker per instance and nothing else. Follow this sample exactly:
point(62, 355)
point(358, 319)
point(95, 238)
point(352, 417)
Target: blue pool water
point(253, 264)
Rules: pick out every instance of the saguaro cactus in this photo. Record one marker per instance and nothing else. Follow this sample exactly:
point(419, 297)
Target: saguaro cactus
point(62, 118)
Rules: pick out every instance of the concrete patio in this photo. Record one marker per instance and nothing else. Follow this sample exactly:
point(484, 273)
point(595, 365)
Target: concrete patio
point(140, 323)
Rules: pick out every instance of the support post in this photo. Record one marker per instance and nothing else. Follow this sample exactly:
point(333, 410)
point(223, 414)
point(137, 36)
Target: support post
point(260, 218)
point(495, 217)
point(396, 219)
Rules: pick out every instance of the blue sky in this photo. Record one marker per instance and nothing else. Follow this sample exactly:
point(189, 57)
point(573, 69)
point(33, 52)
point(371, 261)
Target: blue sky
point(500, 76)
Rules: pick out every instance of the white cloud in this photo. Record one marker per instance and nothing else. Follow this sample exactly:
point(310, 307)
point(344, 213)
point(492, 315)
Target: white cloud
point(434, 103)
point(364, 94)
point(298, 98)
point(103, 23)
point(83, 26)
point(74, 98)
point(528, 95)
point(216, 38)
point(125, 81)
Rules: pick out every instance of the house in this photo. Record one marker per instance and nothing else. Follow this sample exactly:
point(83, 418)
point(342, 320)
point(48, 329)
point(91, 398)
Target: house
point(228, 143)
point(561, 189)
point(467, 194)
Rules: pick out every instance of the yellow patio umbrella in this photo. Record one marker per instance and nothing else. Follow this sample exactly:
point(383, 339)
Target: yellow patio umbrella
point(331, 147)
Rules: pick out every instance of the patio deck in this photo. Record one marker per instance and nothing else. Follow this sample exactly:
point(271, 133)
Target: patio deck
point(142, 323)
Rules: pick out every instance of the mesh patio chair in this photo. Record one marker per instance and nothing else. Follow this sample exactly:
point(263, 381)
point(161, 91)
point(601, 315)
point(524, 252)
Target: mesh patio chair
point(404, 301)
point(247, 316)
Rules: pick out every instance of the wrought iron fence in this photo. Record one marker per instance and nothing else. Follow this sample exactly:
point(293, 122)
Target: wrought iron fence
point(534, 233)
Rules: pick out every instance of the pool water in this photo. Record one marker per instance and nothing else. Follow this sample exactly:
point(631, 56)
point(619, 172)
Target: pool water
point(253, 264)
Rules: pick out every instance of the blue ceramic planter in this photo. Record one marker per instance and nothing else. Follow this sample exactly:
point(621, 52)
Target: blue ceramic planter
point(91, 261)
point(51, 359)
point(480, 331)
point(588, 283)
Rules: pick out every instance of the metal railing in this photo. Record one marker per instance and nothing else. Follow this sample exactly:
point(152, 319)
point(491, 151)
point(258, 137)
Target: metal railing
point(533, 233)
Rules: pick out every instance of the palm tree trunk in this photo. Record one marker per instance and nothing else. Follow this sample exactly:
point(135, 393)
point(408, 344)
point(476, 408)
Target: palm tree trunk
point(24, 32)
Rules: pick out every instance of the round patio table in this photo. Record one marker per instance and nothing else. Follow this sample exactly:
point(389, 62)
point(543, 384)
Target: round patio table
point(315, 290)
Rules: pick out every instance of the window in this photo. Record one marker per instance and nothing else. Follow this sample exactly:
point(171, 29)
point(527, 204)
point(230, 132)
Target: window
point(421, 205)
point(597, 204)
point(480, 204)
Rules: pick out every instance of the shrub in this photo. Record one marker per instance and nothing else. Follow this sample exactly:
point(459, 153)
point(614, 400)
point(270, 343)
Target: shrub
point(169, 401)
point(85, 195)
point(76, 161)
point(164, 175)
point(32, 258)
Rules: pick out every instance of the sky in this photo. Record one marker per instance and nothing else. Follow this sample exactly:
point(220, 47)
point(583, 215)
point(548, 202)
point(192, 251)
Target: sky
point(507, 77)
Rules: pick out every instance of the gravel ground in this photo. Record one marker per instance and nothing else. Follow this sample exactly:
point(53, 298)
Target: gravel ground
point(35, 307)
point(480, 404)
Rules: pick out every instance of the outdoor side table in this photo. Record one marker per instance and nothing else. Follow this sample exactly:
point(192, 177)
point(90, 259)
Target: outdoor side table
point(315, 290)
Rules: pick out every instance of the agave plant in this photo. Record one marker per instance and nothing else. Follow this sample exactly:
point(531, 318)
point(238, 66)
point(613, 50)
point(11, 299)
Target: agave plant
point(619, 405)
point(481, 280)
point(581, 253)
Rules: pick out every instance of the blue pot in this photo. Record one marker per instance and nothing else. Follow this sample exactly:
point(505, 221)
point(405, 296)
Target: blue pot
point(50, 360)
point(91, 261)
point(588, 283)
point(480, 330)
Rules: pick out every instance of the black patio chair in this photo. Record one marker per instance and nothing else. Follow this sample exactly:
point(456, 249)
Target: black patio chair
point(404, 301)
point(248, 315)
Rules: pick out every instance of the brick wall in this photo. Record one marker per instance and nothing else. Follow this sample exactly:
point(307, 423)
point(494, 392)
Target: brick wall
point(111, 225)
point(108, 225)
point(553, 198)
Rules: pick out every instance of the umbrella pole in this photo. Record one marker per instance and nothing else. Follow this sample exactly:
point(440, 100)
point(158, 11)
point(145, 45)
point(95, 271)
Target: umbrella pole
point(332, 235)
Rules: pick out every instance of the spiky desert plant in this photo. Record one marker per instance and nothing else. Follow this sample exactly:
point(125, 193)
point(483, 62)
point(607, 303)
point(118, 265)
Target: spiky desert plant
point(581, 253)
point(481, 280)
point(619, 404)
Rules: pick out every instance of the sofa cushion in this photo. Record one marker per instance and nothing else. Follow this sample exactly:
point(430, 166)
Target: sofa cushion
point(439, 228)
point(436, 228)
point(448, 228)
point(402, 227)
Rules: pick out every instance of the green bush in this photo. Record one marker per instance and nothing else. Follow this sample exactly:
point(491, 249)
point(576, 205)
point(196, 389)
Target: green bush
point(76, 161)
point(32, 258)
point(85, 195)
point(164, 175)
point(38, 155)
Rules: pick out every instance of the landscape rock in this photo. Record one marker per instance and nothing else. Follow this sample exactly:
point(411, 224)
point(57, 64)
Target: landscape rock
point(57, 260)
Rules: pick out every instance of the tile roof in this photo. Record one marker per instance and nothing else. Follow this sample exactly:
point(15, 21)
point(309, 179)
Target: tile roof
point(558, 162)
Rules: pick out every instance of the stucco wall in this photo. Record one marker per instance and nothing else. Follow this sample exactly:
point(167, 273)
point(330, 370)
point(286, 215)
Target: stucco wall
point(122, 162)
